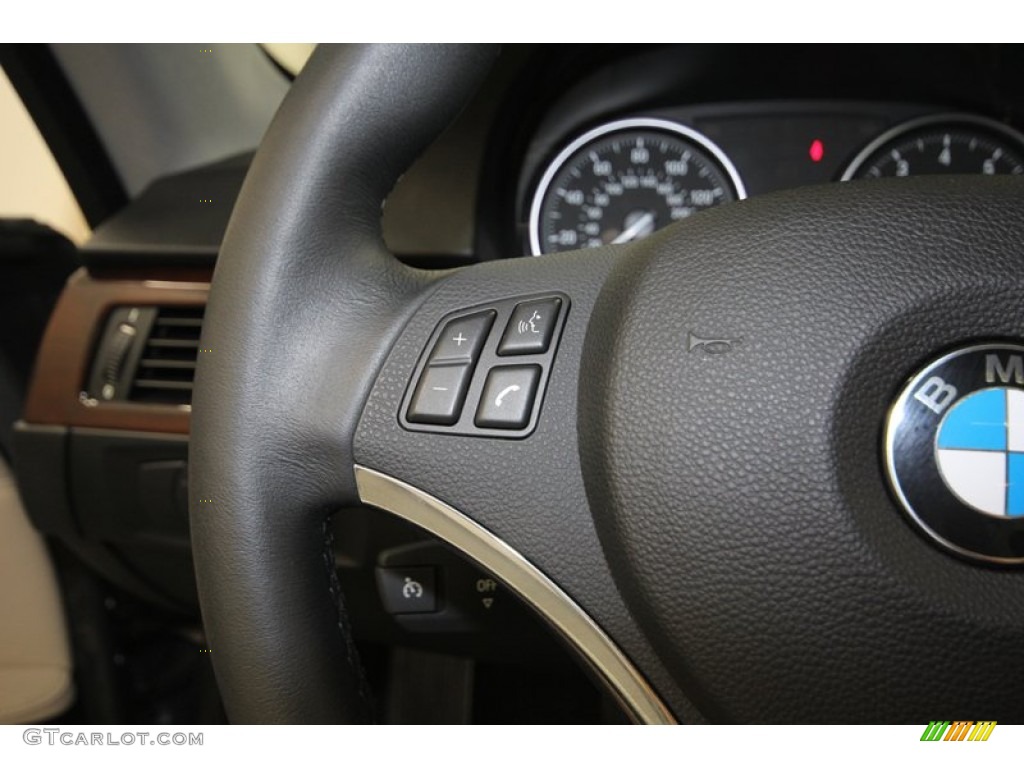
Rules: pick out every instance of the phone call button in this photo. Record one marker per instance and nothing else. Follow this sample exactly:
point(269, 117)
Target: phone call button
point(507, 399)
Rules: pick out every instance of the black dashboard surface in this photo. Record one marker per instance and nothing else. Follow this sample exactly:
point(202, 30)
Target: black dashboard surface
point(467, 198)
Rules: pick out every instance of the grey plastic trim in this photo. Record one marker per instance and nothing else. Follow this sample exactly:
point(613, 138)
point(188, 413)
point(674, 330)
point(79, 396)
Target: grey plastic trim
point(605, 658)
point(190, 104)
point(632, 123)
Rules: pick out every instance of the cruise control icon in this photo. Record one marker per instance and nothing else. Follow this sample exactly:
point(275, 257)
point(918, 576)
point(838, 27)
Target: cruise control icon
point(412, 589)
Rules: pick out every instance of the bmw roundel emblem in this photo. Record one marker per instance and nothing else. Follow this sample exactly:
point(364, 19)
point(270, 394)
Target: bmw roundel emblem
point(954, 447)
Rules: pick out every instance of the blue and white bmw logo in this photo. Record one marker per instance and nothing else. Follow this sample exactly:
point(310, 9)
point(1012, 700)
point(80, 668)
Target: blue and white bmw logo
point(955, 451)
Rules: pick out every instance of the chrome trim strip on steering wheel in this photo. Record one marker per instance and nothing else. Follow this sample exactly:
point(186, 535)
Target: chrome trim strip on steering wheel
point(559, 610)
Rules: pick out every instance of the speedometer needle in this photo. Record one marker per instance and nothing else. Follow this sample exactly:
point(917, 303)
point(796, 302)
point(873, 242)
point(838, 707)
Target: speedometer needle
point(642, 224)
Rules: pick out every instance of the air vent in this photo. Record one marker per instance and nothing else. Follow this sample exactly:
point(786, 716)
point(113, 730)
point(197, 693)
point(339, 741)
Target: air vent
point(167, 364)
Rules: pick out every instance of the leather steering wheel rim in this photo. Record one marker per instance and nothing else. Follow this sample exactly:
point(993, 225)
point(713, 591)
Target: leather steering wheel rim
point(306, 225)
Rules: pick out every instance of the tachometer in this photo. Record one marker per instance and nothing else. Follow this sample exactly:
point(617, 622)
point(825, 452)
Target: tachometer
point(624, 180)
point(941, 144)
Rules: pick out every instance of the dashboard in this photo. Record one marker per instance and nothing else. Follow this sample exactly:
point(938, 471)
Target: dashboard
point(753, 119)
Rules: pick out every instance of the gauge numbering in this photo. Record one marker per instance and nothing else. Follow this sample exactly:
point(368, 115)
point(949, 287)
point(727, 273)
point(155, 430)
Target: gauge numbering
point(626, 179)
point(941, 144)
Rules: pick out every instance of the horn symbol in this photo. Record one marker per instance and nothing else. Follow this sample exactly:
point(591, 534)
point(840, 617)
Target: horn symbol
point(710, 346)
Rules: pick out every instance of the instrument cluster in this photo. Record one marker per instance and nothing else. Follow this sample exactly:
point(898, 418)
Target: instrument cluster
point(622, 179)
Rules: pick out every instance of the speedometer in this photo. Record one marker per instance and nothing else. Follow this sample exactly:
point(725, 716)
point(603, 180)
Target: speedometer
point(941, 144)
point(624, 180)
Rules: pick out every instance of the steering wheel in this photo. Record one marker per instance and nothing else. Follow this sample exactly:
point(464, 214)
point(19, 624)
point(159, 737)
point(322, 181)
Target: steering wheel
point(710, 527)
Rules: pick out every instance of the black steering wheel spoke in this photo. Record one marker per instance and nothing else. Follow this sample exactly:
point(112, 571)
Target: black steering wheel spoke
point(510, 495)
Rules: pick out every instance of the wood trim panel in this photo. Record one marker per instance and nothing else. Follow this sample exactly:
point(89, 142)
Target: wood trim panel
point(62, 365)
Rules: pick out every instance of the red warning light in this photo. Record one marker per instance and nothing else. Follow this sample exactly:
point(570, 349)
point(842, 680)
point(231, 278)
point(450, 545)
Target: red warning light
point(817, 151)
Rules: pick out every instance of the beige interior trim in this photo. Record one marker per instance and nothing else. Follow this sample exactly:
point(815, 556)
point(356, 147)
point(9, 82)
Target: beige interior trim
point(567, 618)
point(35, 658)
point(32, 185)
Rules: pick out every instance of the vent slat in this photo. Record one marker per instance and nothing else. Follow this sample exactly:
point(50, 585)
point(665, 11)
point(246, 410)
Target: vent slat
point(163, 384)
point(173, 343)
point(179, 322)
point(168, 362)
